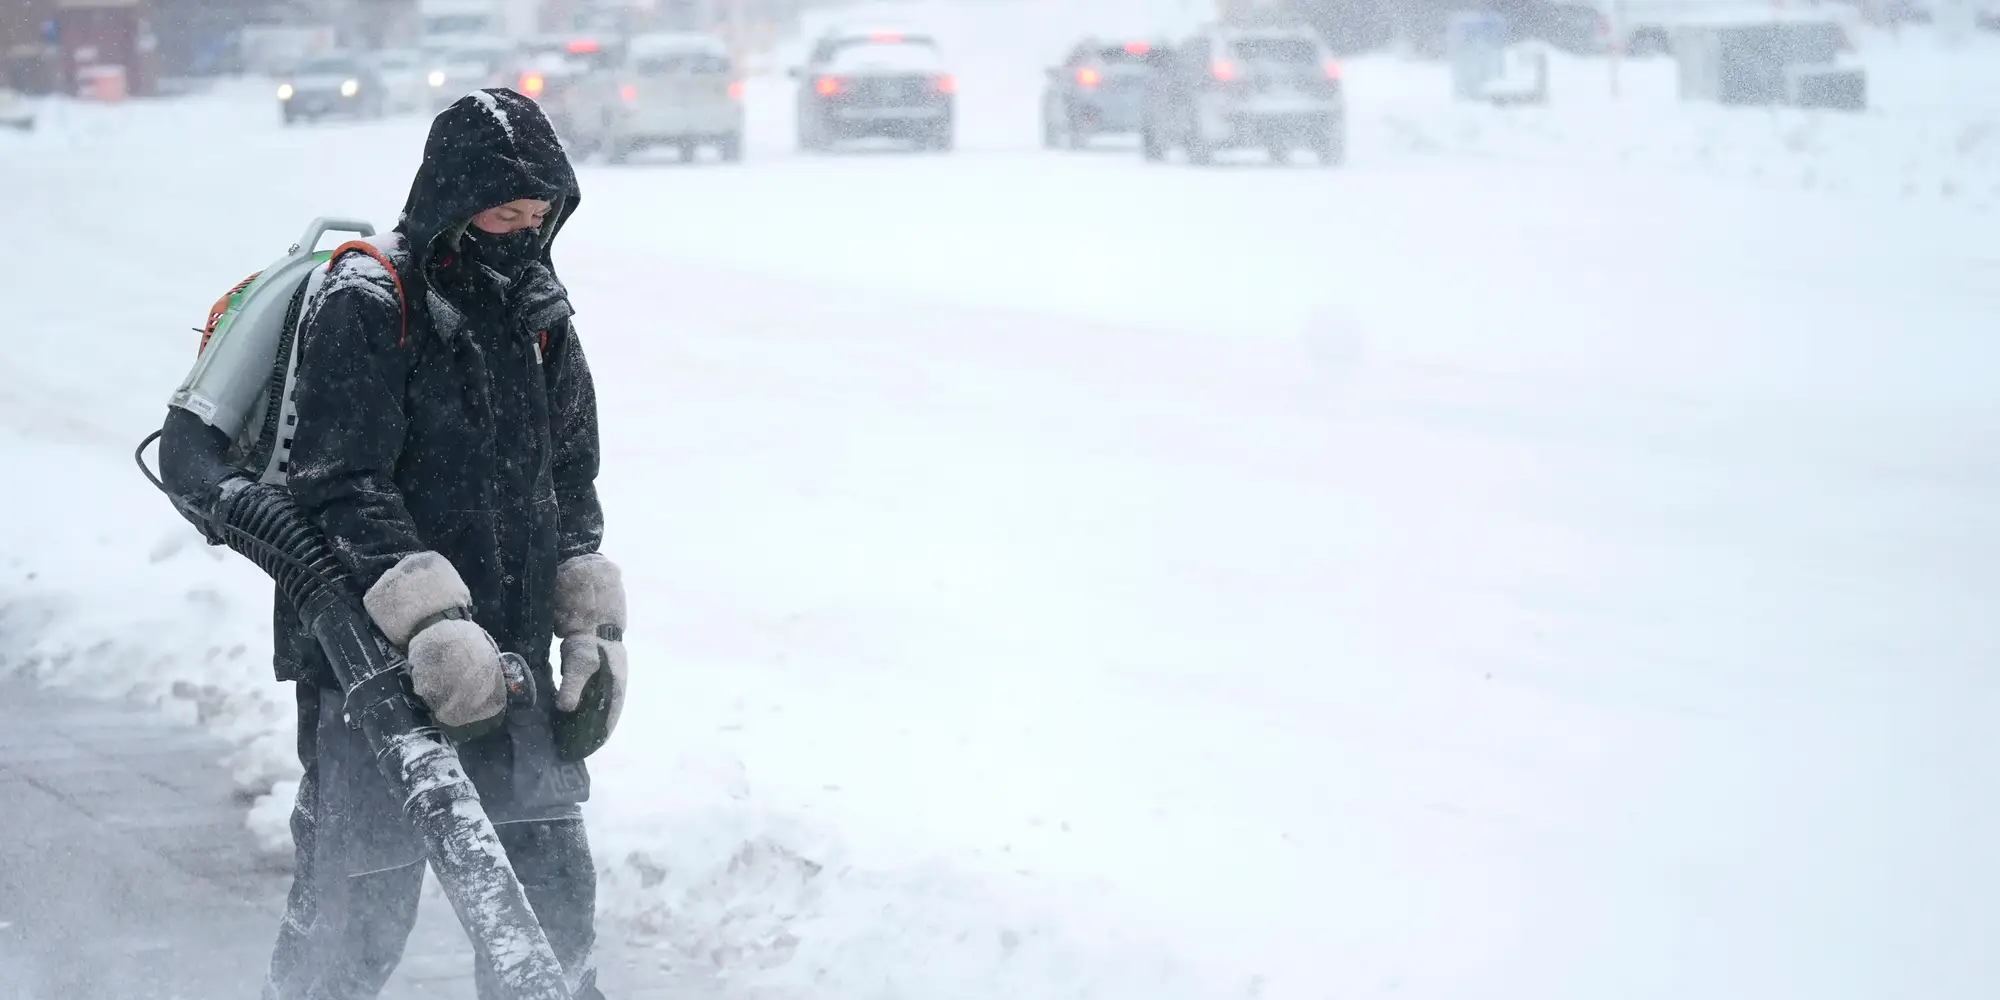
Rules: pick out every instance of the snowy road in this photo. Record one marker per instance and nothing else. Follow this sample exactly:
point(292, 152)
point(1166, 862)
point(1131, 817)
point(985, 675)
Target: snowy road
point(1061, 577)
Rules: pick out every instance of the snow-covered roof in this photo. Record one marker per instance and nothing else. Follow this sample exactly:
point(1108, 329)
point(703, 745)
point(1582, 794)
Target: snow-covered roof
point(1268, 31)
point(880, 32)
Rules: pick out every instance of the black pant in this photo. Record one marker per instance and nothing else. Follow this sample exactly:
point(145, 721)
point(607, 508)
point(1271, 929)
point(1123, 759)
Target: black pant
point(343, 935)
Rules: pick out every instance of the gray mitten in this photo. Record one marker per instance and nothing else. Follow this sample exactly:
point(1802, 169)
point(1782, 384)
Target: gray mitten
point(590, 618)
point(423, 607)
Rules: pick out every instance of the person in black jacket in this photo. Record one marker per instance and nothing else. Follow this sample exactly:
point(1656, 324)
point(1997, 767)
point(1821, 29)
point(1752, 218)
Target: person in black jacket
point(446, 444)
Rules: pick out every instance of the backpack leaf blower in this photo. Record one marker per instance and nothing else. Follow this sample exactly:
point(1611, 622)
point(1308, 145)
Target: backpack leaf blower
point(222, 465)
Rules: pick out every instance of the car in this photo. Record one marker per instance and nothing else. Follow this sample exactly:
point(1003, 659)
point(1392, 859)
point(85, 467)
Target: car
point(341, 85)
point(676, 89)
point(1226, 87)
point(14, 112)
point(402, 72)
point(552, 74)
point(461, 68)
point(881, 84)
point(1099, 89)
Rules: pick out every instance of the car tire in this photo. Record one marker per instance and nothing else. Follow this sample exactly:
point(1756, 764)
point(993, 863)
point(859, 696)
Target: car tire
point(812, 134)
point(1199, 152)
point(1051, 135)
point(688, 150)
point(731, 147)
point(1150, 145)
point(616, 152)
point(1330, 147)
point(939, 141)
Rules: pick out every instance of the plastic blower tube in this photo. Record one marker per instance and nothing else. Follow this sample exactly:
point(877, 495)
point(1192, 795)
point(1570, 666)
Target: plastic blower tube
point(262, 523)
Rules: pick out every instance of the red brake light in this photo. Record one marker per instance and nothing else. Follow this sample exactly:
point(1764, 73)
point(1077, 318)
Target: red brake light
point(735, 90)
point(826, 86)
point(1332, 69)
point(1137, 48)
point(532, 84)
point(1222, 69)
point(947, 84)
point(627, 92)
point(1088, 77)
point(885, 37)
point(581, 46)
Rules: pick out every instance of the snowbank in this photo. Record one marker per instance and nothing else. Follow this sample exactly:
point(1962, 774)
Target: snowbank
point(1932, 133)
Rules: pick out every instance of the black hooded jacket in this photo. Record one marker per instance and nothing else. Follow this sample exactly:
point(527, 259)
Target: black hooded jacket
point(447, 425)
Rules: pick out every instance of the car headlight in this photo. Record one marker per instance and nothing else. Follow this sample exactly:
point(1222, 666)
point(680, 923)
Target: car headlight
point(437, 78)
point(349, 88)
point(285, 92)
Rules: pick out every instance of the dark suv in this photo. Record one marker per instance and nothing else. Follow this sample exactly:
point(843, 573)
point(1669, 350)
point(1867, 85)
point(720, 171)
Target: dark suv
point(881, 84)
point(1099, 89)
point(1276, 89)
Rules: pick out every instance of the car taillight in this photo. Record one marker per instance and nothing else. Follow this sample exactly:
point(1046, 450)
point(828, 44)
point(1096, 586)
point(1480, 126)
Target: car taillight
point(827, 86)
point(1222, 69)
point(735, 90)
point(627, 92)
point(1331, 68)
point(582, 47)
point(946, 84)
point(1137, 48)
point(1087, 77)
point(885, 38)
point(532, 84)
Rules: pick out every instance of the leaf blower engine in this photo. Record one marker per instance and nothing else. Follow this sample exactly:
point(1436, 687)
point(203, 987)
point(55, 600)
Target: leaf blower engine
point(223, 454)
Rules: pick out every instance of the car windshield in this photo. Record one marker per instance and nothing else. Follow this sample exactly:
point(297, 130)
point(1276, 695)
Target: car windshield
point(395, 62)
point(913, 54)
point(675, 63)
point(1283, 50)
point(328, 67)
point(1134, 54)
point(474, 59)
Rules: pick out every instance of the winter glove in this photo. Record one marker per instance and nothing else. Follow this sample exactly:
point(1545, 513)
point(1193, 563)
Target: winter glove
point(423, 607)
point(590, 618)
point(540, 300)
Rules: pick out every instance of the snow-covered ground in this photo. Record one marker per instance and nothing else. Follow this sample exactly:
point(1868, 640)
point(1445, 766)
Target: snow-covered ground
point(1500, 569)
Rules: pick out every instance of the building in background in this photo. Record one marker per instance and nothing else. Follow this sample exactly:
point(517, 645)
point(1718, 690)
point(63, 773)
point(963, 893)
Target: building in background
point(32, 59)
point(103, 47)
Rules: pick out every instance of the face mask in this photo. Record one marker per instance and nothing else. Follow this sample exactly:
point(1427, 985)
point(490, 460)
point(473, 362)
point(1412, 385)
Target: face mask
point(506, 254)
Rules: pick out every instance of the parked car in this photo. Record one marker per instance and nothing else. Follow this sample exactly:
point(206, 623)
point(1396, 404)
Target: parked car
point(668, 89)
point(402, 72)
point(1099, 89)
point(14, 112)
point(460, 69)
point(1276, 89)
point(883, 84)
point(333, 86)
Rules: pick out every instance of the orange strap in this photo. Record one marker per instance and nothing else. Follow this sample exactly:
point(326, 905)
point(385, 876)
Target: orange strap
point(216, 311)
point(402, 303)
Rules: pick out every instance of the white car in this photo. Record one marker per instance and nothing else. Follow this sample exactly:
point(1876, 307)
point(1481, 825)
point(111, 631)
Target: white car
point(1276, 89)
point(882, 83)
point(14, 112)
point(675, 90)
point(463, 68)
point(403, 72)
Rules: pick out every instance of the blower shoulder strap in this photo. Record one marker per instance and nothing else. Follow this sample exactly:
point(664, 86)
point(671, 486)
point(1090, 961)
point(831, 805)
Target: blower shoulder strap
point(395, 278)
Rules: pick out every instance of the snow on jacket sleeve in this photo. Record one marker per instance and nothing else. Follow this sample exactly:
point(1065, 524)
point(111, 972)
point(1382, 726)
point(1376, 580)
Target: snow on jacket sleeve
point(573, 429)
point(350, 386)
